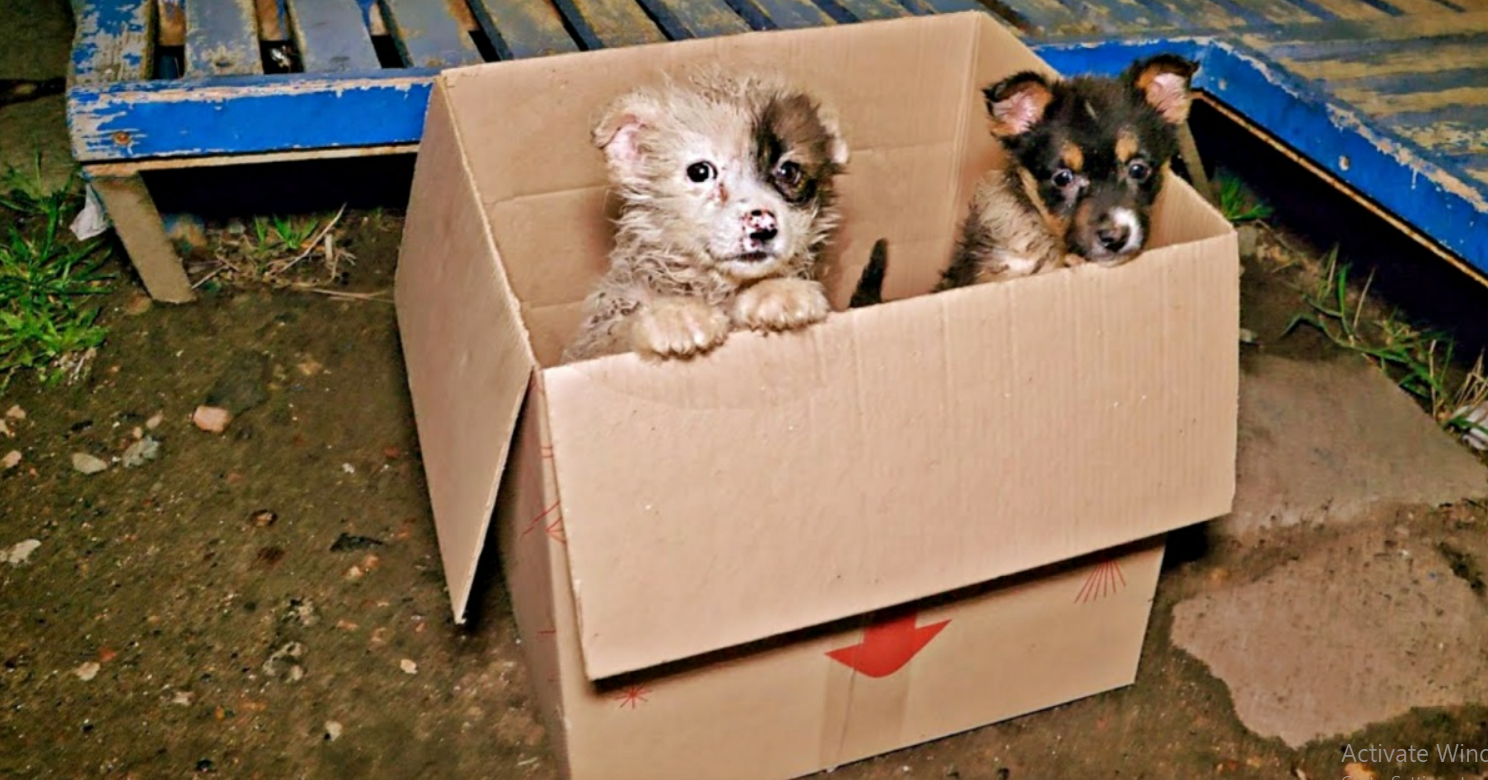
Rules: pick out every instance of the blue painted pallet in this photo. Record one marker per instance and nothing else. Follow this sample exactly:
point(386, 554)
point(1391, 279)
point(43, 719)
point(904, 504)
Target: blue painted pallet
point(1383, 95)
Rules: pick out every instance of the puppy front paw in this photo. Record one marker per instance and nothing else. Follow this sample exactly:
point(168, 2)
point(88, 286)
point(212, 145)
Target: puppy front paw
point(678, 327)
point(781, 304)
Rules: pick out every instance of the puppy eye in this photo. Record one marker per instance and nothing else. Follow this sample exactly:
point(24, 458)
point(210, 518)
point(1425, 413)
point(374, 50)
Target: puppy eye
point(789, 173)
point(700, 172)
point(1062, 177)
point(1138, 171)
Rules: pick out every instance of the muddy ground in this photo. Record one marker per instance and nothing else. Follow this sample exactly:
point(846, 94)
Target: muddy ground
point(269, 603)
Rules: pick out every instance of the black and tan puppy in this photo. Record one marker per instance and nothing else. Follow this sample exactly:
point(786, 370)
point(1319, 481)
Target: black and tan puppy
point(727, 199)
point(1086, 160)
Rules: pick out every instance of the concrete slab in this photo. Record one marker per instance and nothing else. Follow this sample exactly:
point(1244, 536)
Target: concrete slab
point(1324, 441)
point(1358, 631)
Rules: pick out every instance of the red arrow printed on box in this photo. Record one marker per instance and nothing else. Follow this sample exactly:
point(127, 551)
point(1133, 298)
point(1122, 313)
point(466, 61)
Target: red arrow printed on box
point(887, 646)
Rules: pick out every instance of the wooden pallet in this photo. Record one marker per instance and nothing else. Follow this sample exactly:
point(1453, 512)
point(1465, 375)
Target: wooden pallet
point(1387, 98)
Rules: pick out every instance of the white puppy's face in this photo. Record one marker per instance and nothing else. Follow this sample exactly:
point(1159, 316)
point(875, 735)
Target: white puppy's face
point(736, 173)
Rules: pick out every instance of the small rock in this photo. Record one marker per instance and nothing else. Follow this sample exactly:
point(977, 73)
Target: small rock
point(332, 731)
point(18, 553)
point(15, 413)
point(1247, 336)
point(182, 698)
point(141, 452)
point(1360, 772)
point(11, 460)
point(348, 468)
point(1248, 236)
point(309, 366)
point(87, 671)
point(137, 304)
point(211, 419)
point(408, 666)
point(88, 464)
point(155, 420)
point(347, 541)
point(263, 518)
point(354, 573)
point(303, 612)
point(5, 430)
point(292, 672)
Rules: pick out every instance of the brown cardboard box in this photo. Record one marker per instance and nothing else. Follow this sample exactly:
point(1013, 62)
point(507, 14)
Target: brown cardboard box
point(805, 549)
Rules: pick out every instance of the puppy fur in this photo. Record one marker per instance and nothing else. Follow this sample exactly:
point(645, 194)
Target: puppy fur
point(1086, 160)
point(726, 187)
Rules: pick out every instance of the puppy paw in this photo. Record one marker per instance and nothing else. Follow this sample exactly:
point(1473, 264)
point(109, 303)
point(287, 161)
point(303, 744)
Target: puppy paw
point(781, 304)
point(678, 327)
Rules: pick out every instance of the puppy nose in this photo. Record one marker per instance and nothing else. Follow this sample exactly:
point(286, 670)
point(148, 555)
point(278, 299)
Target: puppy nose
point(1113, 237)
point(761, 225)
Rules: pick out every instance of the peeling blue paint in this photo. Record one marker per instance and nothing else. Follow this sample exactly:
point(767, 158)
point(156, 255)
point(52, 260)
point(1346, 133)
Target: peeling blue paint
point(227, 115)
point(112, 39)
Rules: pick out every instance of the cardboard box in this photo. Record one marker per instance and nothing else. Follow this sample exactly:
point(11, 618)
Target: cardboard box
point(908, 521)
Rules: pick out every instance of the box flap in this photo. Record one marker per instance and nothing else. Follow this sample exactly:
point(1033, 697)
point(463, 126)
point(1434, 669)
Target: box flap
point(464, 345)
point(896, 452)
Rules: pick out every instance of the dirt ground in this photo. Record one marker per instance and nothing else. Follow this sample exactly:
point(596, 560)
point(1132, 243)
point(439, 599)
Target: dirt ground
point(269, 603)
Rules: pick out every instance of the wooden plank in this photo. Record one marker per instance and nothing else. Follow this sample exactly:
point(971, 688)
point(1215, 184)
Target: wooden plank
point(1126, 16)
point(1356, 9)
point(1412, 7)
point(228, 115)
point(847, 11)
point(1347, 37)
point(172, 22)
point(607, 24)
point(1207, 14)
point(271, 24)
point(429, 35)
point(1450, 56)
point(1469, 90)
point(523, 28)
point(785, 14)
point(222, 39)
point(331, 36)
point(115, 41)
point(1351, 147)
point(1460, 130)
point(683, 19)
point(1048, 17)
point(138, 225)
point(178, 163)
point(1274, 12)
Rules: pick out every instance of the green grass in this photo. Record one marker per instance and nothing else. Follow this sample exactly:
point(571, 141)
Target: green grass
point(1236, 202)
point(1419, 361)
point(47, 280)
point(275, 236)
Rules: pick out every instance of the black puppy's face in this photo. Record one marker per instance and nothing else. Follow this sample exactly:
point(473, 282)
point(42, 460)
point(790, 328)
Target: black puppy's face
point(1092, 151)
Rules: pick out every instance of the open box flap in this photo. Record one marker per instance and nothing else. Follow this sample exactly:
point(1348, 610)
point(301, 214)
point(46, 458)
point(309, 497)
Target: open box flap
point(894, 453)
point(467, 354)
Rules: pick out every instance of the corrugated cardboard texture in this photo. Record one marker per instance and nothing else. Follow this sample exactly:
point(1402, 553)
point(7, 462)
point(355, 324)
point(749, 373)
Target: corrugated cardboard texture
point(784, 482)
point(466, 353)
point(904, 451)
point(793, 707)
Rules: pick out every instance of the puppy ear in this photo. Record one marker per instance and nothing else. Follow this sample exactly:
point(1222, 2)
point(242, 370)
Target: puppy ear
point(836, 144)
point(1017, 103)
point(1164, 81)
point(618, 130)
